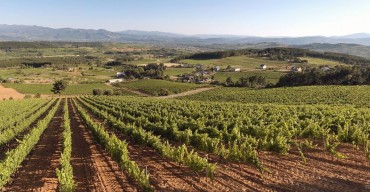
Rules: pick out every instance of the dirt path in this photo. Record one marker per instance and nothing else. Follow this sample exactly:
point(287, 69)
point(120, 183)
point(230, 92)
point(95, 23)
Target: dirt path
point(192, 92)
point(93, 169)
point(6, 93)
point(137, 92)
point(37, 172)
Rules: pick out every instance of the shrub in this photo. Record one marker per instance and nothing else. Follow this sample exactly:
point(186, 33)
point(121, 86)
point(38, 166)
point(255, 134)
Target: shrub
point(27, 96)
point(108, 92)
point(97, 92)
point(163, 92)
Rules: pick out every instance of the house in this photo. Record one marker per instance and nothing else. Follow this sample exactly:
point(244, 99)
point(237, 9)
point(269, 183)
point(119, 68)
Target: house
point(186, 65)
point(324, 69)
point(72, 69)
point(121, 74)
point(296, 69)
point(263, 66)
point(217, 68)
point(236, 69)
point(199, 67)
point(115, 80)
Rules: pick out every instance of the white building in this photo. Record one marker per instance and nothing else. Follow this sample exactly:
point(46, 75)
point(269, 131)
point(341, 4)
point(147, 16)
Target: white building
point(263, 66)
point(115, 80)
point(296, 69)
point(121, 74)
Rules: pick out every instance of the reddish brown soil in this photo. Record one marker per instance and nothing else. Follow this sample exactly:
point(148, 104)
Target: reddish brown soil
point(286, 172)
point(6, 93)
point(14, 143)
point(93, 169)
point(289, 173)
point(165, 175)
point(37, 172)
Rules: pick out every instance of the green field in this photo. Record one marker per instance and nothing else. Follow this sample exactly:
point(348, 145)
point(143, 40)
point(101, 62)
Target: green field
point(271, 76)
point(250, 63)
point(152, 86)
point(317, 61)
point(333, 95)
point(244, 62)
point(46, 88)
point(48, 75)
point(177, 71)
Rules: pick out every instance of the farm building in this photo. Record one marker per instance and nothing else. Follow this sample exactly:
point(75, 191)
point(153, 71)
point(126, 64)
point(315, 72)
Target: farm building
point(296, 69)
point(115, 80)
point(325, 69)
point(72, 69)
point(121, 74)
point(200, 67)
point(236, 69)
point(263, 66)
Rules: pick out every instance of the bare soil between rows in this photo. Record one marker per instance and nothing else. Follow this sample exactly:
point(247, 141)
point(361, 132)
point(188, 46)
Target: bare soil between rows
point(37, 172)
point(15, 142)
point(288, 172)
point(93, 169)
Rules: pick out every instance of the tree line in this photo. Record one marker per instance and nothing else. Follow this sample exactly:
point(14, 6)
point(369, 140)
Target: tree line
point(278, 53)
point(216, 55)
point(289, 54)
point(340, 75)
point(152, 70)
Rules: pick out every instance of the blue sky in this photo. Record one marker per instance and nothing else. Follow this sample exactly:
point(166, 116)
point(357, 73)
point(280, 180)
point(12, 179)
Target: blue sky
point(242, 17)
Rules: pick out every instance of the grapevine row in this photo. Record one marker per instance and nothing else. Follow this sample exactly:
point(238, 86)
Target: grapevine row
point(179, 154)
point(65, 174)
point(116, 148)
point(16, 156)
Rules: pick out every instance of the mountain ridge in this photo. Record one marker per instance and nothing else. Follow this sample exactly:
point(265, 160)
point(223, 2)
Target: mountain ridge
point(39, 33)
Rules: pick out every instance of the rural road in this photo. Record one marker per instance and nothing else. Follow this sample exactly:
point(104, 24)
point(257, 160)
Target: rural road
point(192, 92)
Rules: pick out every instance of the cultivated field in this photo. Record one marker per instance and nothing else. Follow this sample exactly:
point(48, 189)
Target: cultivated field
point(163, 135)
point(153, 86)
point(332, 95)
point(126, 144)
point(253, 63)
point(78, 89)
point(271, 76)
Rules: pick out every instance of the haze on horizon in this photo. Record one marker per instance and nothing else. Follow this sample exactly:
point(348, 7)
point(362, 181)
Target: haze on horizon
point(190, 17)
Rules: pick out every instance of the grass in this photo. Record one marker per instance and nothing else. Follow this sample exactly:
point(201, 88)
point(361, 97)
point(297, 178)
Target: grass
point(243, 62)
point(272, 76)
point(153, 86)
point(46, 88)
point(177, 71)
point(251, 63)
point(48, 75)
point(317, 61)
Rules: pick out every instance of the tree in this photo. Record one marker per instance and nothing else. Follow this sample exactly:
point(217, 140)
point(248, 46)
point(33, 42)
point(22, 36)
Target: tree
point(97, 92)
point(229, 81)
point(108, 92)
point(59, 86)
point(163, 92)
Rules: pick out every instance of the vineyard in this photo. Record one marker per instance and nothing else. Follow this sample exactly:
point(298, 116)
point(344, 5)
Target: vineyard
point(130, 144)
point(330, 95)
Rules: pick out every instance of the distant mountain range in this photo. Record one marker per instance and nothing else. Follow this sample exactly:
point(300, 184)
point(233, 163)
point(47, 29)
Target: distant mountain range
point(37, 33)
point(352, 44)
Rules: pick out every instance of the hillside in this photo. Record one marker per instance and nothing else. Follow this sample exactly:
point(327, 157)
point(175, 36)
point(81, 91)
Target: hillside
point(351, 49)
point(38, 33)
